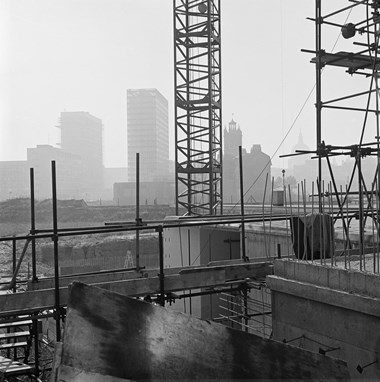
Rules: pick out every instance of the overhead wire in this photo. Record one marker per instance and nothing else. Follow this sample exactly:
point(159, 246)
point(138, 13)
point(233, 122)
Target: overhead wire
point(296, 118)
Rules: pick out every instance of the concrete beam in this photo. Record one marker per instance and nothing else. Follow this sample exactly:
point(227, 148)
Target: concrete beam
point(351, 281)
point(325, 295)
point(184, 279)
point(96, 278)
point(119, 275)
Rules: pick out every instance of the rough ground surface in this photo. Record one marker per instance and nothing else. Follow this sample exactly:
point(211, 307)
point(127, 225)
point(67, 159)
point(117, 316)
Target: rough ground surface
point(15, 220)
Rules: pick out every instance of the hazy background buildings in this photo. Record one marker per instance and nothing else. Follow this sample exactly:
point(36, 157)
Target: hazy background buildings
point(83, 55)
point(82, 175)
point(256, 169)
point(82, 135)
point(14, 177)
point(79, 55)
point(79, 163)
point(79, 158)
point(148, 134)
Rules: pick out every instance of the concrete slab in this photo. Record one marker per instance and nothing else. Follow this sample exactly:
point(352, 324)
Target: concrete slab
point(135, 340)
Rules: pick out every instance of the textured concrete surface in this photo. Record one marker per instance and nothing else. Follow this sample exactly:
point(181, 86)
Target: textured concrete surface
point(329, 308)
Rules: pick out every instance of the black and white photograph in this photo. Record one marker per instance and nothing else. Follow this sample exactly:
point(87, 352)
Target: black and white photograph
point(189, 190)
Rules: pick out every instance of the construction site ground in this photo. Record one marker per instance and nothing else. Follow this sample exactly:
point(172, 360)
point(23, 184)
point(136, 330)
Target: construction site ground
point(15, 220)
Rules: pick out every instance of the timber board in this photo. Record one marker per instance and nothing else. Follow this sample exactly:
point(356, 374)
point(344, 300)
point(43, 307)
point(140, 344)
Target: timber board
point(9, 368)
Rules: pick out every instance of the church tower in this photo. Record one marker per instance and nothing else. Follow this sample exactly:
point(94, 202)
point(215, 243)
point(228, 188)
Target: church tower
point(232, 140)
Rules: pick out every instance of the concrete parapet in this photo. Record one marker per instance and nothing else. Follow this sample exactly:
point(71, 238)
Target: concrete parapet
point(351, 281)
point(316, 306)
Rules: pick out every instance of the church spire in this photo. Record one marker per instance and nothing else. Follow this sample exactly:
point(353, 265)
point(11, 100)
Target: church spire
point(232, 124)
point(300, 138)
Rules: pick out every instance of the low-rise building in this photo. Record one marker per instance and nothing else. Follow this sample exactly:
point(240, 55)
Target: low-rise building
point(14, 177)
point(68, 172)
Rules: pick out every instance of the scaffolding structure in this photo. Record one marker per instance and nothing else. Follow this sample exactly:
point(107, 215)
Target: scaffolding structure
point(50, 299)
point(250, 310)
point(198, 104)
point(244, 302)
point(362, 63)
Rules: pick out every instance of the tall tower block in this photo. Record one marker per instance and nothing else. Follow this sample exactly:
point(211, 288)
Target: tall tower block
point(82, 135)
point(147, 134)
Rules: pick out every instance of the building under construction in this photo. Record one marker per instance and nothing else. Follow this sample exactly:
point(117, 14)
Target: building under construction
point(288, 289)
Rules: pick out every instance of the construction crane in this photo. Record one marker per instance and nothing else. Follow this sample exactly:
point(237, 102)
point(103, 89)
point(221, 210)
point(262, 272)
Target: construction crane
point(198, 107)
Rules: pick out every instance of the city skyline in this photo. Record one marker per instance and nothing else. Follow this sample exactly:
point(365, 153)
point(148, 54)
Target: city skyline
point(77, 55)
point(93, 53)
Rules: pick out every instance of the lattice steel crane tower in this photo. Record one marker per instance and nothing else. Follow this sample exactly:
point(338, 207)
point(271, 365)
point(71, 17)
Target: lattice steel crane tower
point(198, 107)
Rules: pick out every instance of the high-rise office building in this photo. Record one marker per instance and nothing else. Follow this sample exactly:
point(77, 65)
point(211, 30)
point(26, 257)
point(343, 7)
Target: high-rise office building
point(82, 135)
point(148, 134)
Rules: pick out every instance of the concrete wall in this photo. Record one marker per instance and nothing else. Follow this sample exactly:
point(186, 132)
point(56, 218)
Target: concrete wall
point(181, 248)
point(210, 244)
point(320, 307)
point(218, 244)
point(101, 254)
point(267, 241)
point(192, 246)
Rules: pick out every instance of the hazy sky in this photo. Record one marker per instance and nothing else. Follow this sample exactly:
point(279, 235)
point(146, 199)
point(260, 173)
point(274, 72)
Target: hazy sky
point(76, 55)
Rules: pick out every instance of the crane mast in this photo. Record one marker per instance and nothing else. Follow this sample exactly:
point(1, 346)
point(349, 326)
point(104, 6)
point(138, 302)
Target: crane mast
point(198, 107)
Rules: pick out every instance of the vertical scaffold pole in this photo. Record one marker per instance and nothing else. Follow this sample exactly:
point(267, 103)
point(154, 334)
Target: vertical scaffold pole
point(361, 220)
point(34, 269)
point(318, 104)
point(56, 265)
point(243, 254)
point(160, 231)
point(14, 262)
point(33, 226)
point(137, 211)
